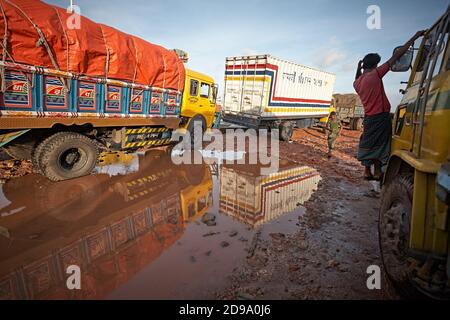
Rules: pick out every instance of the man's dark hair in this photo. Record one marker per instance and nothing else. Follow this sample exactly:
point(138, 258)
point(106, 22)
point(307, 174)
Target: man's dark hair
point(332, 113)
point(371, 60)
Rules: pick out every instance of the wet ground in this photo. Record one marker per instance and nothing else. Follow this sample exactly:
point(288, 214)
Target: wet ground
point(144, 228)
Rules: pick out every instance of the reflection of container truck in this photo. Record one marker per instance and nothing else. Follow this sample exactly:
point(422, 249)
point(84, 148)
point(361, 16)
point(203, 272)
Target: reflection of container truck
point(254, 199)
point(66, 93)
point(349, 109)
point(263, 91)
point(112, 227)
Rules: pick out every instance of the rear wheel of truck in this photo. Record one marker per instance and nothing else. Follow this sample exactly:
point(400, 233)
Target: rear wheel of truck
point(394, 230)
point(356, 124)
point(286, 130)
point(66, 155)
point(36, 154)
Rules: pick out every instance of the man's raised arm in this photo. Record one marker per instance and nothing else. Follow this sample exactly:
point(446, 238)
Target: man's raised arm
point(358, 71)
point(402, 50)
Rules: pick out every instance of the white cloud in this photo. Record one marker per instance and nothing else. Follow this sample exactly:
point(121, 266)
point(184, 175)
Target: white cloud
point(330, 58)
point(330, 54)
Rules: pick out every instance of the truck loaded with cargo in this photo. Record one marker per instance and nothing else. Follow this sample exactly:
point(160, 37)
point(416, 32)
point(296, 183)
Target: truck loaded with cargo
point(264, 91)
point(349, 109)
point(66, 94)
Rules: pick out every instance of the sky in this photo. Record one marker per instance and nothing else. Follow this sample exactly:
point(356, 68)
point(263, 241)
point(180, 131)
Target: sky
point(327, 34)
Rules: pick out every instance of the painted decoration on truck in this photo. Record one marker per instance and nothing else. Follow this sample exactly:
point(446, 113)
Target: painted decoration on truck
point(17, 94)
point(55, 94)
point(114, 100)
point(278, 88)
point(86, 96)
point(171, 104)
point(137, 101)
point(155, 102)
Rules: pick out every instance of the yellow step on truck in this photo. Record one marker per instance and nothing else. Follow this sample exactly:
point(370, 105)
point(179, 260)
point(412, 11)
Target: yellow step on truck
point(68, 94)
point(415, 198)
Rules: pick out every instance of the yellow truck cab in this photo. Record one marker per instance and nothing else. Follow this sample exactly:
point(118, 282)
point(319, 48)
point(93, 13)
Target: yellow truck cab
point(414, 211)
point(199, 100)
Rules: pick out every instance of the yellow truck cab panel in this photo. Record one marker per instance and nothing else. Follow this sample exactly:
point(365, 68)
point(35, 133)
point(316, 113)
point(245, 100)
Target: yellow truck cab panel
point(199, 98)
point(420, 152)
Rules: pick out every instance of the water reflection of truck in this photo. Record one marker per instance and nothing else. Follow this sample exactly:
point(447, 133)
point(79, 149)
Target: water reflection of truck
point(66, 93)
point(264, 91)
point(111, 227)
point(254, 199)
point(415, 198)
point(349, 109)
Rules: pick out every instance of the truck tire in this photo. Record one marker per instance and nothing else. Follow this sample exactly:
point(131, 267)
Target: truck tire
point(67, 155)
point(393, 232)
point(36, 154)
point(356, 124)
point(286, 130)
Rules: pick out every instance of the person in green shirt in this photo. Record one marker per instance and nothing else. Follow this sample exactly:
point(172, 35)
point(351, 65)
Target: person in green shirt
point(333, 130)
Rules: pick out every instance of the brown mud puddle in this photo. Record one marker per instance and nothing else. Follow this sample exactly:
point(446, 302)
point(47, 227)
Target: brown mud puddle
point(143, 227)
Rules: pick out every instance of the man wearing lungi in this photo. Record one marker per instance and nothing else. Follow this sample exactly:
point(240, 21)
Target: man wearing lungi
point(375, 142)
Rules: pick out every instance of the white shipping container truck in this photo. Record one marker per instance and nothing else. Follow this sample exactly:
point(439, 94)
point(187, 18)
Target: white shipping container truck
point(264, 91)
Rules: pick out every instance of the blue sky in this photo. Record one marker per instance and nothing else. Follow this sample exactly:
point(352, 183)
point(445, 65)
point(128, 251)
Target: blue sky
point(330, 35)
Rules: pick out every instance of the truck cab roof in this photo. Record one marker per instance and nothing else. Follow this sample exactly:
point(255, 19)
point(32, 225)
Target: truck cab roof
point(199, 76)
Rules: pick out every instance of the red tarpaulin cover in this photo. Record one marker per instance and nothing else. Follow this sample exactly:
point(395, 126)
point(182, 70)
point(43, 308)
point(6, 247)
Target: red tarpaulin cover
point(85, 50)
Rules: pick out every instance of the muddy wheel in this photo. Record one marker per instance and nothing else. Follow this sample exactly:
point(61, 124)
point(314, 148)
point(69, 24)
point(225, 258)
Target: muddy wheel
point(67, 155)
point(36, 154)
point(357, 124)
point(286, 130)
point(394, 230)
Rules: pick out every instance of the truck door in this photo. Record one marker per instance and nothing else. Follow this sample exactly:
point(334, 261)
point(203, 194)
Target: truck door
point(207, 105)
point(431, 77)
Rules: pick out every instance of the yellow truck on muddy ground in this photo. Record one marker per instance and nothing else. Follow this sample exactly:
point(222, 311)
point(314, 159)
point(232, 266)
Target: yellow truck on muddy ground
point(66, 94)
point(415, 197)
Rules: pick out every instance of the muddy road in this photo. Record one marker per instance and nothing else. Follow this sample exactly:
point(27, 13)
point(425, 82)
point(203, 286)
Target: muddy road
point(144, 228)
point(336, 238)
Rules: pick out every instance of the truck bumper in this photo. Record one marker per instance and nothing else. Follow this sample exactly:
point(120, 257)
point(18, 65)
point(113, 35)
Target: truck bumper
point(246, 121)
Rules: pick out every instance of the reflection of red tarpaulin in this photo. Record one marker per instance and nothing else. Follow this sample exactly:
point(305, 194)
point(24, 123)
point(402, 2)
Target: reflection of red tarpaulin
point(94, 49)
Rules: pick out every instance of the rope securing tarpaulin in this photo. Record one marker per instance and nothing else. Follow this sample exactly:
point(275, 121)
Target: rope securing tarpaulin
point(37, 34)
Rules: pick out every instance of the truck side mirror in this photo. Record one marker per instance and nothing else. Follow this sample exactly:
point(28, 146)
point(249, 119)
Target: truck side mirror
point(404, 62)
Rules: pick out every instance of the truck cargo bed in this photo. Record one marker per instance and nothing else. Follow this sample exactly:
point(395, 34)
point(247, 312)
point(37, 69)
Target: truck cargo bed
point(259, 88)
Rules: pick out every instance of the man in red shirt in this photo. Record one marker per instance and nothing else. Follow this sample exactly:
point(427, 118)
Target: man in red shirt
point(375, 142)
